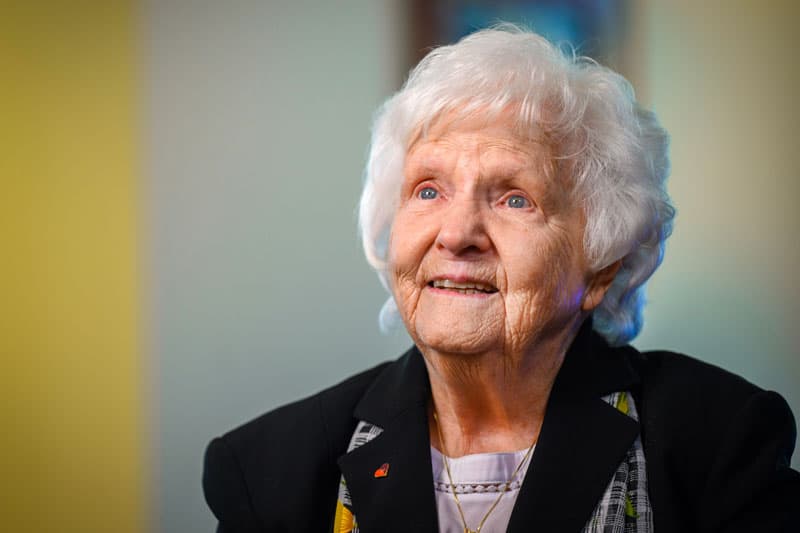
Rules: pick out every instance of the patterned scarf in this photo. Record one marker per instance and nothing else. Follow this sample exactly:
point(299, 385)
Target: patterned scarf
point(624, 507)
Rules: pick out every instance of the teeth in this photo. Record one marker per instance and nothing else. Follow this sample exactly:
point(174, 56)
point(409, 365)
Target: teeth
point(467, 288)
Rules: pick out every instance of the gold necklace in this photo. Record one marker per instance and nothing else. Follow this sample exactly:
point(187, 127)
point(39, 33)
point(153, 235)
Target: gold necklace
point(453, 488)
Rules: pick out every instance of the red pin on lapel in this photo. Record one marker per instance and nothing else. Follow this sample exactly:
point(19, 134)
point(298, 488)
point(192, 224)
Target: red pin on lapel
point(383, 471)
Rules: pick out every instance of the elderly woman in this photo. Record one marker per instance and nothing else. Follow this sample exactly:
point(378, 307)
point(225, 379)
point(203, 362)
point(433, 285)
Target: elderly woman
point(514, 206)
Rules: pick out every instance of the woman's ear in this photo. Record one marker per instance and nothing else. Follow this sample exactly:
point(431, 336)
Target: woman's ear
point(599, 284)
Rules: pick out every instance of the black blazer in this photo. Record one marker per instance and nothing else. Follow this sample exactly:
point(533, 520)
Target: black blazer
point(717, 451)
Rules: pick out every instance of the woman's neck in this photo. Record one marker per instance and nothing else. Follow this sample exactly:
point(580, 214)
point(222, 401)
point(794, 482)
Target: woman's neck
point(491, 402)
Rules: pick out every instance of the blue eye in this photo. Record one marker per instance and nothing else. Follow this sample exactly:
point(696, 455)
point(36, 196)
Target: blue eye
point(428, 193)
point(516, 201)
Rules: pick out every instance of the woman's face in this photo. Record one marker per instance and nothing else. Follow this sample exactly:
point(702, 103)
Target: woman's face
point(486, 247)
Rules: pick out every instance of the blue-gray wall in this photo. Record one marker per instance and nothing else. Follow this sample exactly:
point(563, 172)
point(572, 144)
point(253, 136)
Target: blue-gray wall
point(259, 117)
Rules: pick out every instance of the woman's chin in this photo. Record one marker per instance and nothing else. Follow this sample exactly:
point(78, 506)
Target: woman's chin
point(467, 330)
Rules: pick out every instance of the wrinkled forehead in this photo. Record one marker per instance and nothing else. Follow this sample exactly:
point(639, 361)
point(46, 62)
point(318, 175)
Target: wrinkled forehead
point(499, 137)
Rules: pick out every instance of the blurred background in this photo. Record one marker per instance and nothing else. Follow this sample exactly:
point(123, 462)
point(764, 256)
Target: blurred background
point(178, 231)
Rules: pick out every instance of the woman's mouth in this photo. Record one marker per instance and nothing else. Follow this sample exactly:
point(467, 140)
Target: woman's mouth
point(466, 287)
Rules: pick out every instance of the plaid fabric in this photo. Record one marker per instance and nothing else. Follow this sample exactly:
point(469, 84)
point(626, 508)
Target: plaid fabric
point(345, 520)
point(625, 506)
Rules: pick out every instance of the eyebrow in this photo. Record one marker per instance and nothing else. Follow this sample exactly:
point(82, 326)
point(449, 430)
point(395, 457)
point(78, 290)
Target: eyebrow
point(425, 162)
point(498, 160)
point(507, 171)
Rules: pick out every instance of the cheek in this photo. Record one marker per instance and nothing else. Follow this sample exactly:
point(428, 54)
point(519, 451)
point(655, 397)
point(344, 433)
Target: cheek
point(412, 235)
point(541, 281)
point(534, 264)
point(405, 255)
point(403, 251)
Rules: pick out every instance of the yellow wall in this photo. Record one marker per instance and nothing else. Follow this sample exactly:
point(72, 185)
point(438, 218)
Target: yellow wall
point(71, 444)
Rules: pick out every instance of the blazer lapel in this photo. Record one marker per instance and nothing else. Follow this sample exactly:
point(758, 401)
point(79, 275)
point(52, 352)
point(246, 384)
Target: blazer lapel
point(582, 441)
point(403, 499)
point(580, 447)
point(581, 444)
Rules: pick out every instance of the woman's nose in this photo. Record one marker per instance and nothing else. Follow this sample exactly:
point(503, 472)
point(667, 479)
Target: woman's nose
point(463, 229)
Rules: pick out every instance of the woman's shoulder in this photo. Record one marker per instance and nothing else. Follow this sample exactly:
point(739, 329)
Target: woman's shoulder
point(663, 366)
point(701, 403)
point(717, 446)
point(249, 471)
point(320, 413)
point(675, 381)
